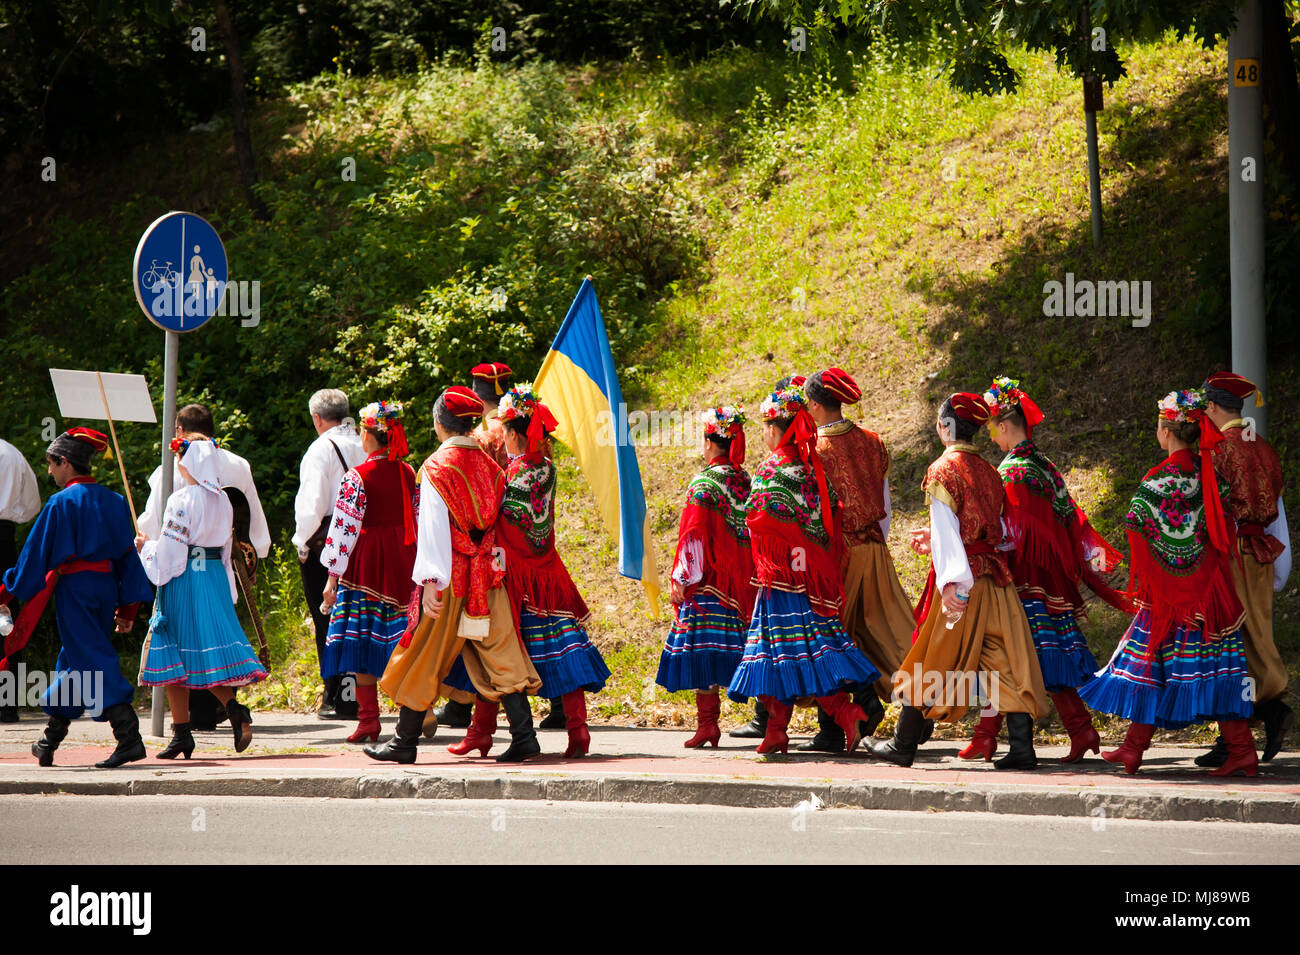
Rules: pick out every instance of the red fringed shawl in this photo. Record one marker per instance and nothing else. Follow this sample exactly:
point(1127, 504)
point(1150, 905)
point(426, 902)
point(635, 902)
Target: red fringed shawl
point(473, 487)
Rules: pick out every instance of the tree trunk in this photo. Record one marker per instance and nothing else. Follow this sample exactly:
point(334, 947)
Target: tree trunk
point(239, 109)
point(1280, 91)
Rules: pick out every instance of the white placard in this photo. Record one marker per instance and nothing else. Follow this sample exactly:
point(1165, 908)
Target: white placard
point(79, 396)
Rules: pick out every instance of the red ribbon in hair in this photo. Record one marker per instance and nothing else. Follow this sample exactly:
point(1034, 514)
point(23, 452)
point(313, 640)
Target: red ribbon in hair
point(539, 423)
point(736, 453)
point(1033, 414)
point(1214, 517)
point(802, 436)
point(397, 446)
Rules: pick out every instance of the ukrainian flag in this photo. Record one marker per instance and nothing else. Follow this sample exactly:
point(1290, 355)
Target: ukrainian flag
point(579, 384)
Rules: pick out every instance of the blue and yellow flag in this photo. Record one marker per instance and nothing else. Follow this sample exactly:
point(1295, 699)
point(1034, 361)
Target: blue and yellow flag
point(579, 384)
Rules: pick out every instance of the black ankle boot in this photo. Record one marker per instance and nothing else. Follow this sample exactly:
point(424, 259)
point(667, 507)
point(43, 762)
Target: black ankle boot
point(829, 738)
point(1277, 717)
point(755, 728)
point(871, 705)
point(401, 748)
point(453, 715)
point(1020, 733)
point(1215, 757)
point(901, 749)
point(182, 743)
point(554, 720)
point(523, 738)
point(126, 730)
point(55, 731)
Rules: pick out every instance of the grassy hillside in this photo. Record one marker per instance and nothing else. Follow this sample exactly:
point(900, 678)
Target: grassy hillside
point(746, 216)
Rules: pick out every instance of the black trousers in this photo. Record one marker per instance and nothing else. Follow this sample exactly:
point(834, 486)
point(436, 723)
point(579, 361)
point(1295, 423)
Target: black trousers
point(314, 579)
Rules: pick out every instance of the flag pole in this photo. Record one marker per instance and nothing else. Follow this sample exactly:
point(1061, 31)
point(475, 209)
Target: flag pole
point(126, 486)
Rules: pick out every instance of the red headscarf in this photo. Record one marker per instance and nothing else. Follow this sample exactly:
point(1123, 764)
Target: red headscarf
point(539, 424)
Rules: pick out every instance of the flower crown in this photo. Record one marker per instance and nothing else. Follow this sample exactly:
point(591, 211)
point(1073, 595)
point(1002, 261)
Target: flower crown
point(180, 445)
point(519, 401)
point(381, 415)
point(724, 420)
point(785, 403)
point(1178, 406)
point(1005, 393)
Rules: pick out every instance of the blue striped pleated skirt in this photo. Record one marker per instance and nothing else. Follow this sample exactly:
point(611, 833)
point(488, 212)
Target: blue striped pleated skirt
point(363, 631)
point(194, 636)
point(791, 652)
point(703, 647)
point(1063, 653)
point(1189, 679)
point(562, 653)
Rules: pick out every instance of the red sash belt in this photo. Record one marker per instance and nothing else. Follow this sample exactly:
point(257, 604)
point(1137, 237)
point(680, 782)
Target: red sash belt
point(32, 610)
point(1250, 529)
point(927, 595)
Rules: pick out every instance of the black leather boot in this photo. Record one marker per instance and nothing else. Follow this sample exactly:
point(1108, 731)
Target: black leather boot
point(554, 720)
point(927, 730)
point(1215, 757)
point(453, 715)
point(1020, 733)
point(829, 738)
point(901, 749)
point(241, 724)
point(43, 749)
point(523, 738)
point(755, 728)
point(401, 748)
point(1277, 717)
point(126, 730)
point(182, 743)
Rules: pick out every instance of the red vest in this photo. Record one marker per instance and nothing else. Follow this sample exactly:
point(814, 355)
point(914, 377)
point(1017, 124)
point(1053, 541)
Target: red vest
point(973, 489)
point(382, 559)
point(1254, 476)
point(856, 463)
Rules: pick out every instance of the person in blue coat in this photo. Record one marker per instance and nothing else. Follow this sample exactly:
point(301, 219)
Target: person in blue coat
point(81, 552)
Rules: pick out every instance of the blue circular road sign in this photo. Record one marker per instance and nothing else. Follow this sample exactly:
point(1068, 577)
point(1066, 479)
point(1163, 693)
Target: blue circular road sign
point(180, 272)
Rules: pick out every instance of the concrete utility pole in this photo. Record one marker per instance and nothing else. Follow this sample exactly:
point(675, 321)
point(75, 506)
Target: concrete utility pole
point(1246, 203)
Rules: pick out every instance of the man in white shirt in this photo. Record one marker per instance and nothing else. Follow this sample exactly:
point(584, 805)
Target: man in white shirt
point(335, 451)
point(20, 502)
point(193, 421)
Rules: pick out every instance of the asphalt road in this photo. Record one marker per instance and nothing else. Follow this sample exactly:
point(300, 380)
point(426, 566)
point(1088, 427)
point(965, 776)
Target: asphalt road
point(269, 830)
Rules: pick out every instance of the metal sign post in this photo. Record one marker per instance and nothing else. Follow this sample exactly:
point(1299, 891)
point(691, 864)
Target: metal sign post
point(177, 300)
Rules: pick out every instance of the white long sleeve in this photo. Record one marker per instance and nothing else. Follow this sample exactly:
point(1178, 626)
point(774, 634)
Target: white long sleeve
point(236, 473)
point(690, 562)
point(432, 538)
point(1278, 529)
point(319, 475)
point(889, 510)
point(194, 518)
point(20, 496)
point(349, 511)
point(947, 553)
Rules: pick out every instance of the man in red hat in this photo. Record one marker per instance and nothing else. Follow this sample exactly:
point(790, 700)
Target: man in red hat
point(973, 642)
point(463, 609)
point(490, 381)
point(1254, 475)
point(80, 552)
point(876, 613)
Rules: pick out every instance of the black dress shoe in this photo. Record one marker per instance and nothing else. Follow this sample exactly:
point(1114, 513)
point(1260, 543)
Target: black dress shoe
point(182, 743)
point(1214, 757)
point(553, 720)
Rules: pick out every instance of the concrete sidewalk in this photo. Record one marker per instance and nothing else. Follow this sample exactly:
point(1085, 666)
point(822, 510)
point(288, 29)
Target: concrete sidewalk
point(297, 755)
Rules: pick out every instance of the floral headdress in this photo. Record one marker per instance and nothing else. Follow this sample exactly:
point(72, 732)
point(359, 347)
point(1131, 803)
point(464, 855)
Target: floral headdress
point(386, 418)
point(1182, 406)
point(785, 403)
point(520, 401)
point(727, 421)
point(1005, 393)
point(1188, 405)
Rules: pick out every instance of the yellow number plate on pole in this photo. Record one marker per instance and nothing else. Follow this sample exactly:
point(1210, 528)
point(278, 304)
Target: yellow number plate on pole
point(1245, 72)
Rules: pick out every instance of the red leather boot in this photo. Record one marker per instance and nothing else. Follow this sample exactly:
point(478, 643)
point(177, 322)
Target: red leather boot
point(984, 741)
point(847, 715)
point(707, 708)
point(367, 715)
point(481, 727)
point(1241, 749)
point(1131, 750)
point(575, 721)
point(1078, 723)
point(778, 718)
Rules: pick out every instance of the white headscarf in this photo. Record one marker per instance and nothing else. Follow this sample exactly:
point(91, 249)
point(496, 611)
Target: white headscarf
point(203, 462)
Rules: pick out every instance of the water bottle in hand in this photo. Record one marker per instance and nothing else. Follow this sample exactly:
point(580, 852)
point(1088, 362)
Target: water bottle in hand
point(6, 621)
